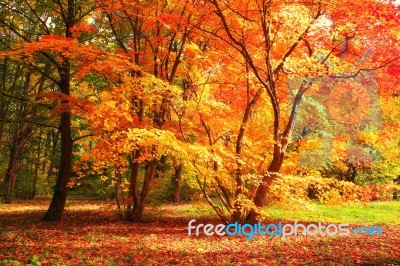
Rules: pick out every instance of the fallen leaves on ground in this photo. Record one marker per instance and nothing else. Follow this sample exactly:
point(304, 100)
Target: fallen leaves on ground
point(87, 237)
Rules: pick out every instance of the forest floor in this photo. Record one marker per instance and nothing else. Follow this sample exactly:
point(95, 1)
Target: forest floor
point(89, 234)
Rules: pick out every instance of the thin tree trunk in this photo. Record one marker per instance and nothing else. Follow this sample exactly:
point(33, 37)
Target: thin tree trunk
point(3, 114)
point(3, 102)
point(55, 136)
point(37, 165)
point(45, 153)
point(238, 211)
point(351, 173)
point(133, 194)
point(11, 175)
point(177, 182)
point(21, 137)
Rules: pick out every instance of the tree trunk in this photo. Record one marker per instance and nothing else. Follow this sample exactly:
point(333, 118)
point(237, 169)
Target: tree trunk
point(161, 166)
point(133, 196)
point(351, 173)
point(55, 136)
point(21, 137)
point(46, 150)
point(177, 182)
point(263, 188)
point(3, 102)
point(57, 204)
point(136, 211)
point(37, 166)
point(11, 176)
point(3, 114)
point(238, 213)
point(280, 146)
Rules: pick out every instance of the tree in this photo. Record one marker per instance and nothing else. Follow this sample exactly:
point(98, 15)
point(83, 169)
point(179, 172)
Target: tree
point(154, 35)
point(19, 114)
point(277, 47)
point(215, 85)
point(58, 28)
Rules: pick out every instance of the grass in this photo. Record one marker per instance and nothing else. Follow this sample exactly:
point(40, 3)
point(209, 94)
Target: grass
point(371, 213)
point(183, 211)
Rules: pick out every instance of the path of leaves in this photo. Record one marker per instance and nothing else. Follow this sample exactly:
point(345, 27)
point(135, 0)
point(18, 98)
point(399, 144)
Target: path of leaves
point(86, 236)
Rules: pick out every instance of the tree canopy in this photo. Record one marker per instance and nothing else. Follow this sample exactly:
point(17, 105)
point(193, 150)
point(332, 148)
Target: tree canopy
point(231, 95)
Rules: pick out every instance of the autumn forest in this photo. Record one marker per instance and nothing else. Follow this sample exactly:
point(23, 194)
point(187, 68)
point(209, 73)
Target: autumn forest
point(121, 121)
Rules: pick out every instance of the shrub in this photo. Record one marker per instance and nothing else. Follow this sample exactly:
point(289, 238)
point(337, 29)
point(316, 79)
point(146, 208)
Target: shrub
point(163, 189)
point(293, 191)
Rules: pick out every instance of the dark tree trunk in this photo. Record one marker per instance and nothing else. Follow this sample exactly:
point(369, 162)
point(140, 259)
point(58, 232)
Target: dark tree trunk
point(135, 212)
point(46, 150)
point(37, 166)
point(57, 204)
point(133, 196)
point(3, 102)
point(11, 175)
point(161, 166)
point(55, 135)
point(351, 173)
point(177, 182)
point(3, 114)
point(21, 137)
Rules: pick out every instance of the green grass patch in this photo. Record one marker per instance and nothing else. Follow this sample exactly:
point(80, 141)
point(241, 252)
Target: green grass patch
point(371, 213)
point(194, 210)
